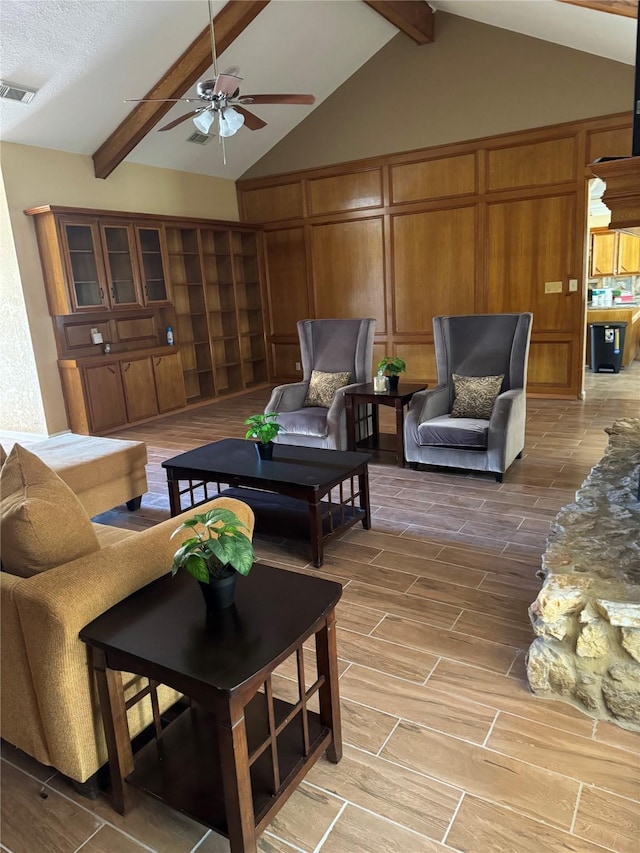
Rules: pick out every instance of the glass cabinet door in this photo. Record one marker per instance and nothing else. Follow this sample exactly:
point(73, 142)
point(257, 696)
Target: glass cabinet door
point(85, 265)
point(152, 267)
point(121, 271)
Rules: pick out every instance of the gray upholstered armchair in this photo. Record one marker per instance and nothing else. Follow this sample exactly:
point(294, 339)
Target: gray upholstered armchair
point(477, 345)
point(330, 346)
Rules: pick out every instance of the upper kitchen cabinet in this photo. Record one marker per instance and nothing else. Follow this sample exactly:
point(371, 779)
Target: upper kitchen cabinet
point(614, 253)
point(94, 262)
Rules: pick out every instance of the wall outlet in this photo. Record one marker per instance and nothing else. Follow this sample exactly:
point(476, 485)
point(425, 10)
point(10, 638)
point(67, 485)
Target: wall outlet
point(298, 366)
point(573, 285)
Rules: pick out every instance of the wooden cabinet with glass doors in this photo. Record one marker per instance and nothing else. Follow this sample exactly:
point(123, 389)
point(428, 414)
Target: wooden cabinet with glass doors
point(99, 262)
point(144, 273)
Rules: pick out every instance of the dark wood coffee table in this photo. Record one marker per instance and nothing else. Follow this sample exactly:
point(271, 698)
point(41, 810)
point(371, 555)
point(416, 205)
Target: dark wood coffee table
point(291, 494)
point(235, 755)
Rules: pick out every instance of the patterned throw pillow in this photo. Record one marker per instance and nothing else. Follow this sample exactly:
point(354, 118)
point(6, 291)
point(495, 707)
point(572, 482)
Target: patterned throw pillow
point(475, 395)
point(323, 386)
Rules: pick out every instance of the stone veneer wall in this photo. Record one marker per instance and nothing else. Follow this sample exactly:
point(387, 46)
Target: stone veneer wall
point(587, 615)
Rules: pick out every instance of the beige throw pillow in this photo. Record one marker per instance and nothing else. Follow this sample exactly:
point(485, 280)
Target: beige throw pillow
point(3, 456)
point(323, 386)
point(42, 522)
point(475, 395)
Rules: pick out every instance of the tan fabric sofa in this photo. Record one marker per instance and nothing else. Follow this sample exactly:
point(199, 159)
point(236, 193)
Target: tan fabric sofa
point(49, 701)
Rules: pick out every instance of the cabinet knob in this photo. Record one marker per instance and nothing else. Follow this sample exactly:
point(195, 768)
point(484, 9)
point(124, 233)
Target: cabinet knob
point(111, 369)
point(101, 295)
point(127, 366)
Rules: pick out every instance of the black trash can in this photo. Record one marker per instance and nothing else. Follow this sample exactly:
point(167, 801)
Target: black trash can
point(607, 346)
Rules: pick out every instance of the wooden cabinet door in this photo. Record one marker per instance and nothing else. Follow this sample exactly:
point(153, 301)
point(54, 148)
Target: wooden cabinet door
point(105, 397)
point(153, 266)
point(169, 379)
point(139, 388)
point(121, 265)
point(82, 253)
point(628, 254)
point(603, 253)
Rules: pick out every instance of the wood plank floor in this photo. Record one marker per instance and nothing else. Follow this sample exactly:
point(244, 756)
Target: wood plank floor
point(445, 747)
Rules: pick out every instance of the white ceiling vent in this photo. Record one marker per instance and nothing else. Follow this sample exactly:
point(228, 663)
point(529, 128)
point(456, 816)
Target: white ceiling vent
point(17, 92)
point(199, 138)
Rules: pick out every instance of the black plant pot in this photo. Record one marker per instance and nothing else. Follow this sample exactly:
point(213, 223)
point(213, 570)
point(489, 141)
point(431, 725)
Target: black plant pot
point(264, 450)
point(393, 382)
point(219, 593)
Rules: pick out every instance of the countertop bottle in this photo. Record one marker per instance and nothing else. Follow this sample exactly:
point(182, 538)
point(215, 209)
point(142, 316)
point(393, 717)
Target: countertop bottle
point(170, 336)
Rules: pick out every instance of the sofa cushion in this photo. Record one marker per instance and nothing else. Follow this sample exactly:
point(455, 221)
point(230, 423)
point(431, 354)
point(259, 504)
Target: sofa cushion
point(446, 431)
point(475, 395)
point(323, 386)
point(42, 522)
point(309, 421)
point(3, 456)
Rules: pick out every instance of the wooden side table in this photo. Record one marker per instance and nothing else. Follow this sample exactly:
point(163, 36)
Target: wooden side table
point(233, 757)
point(395, 399)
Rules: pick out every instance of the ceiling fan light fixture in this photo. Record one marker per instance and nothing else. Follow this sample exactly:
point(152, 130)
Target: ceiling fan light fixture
point(204, 120)
point(230, 122)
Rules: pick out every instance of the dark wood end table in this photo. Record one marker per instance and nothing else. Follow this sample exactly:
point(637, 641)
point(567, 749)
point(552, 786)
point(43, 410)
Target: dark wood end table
point(234, 756)
point(397, 400)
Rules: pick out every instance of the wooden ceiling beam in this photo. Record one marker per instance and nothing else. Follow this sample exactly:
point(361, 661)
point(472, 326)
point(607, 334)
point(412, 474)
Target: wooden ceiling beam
point(628, 8)
point(184, 73)
point(413, 17)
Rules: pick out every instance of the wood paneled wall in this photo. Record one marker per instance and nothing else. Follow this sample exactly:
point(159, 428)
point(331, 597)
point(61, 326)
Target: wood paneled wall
point(490, 225)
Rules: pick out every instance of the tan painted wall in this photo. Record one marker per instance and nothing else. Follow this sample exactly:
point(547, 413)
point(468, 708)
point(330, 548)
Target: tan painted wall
point(473, 81)
point(21, 402)
point(36, 176)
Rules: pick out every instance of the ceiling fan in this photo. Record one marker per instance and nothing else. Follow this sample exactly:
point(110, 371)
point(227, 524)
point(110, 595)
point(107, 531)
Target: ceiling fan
point(222, 99)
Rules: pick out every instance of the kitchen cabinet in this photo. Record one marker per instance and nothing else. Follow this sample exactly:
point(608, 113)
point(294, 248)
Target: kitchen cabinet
point(99, 263)
point(614, 253)
point(628, 254)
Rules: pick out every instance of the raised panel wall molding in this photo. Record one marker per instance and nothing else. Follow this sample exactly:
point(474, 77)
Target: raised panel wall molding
point(473, 226)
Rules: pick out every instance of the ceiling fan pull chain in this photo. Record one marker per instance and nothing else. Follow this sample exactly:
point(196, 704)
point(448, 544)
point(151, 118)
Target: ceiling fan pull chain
point(214, 56)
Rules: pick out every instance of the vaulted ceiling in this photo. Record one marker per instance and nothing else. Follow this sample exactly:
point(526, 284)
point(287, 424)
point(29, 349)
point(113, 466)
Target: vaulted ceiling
point(87, 56)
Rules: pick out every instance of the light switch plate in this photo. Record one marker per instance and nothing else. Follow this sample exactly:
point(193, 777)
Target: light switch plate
point(553, 287)
point(573, 285)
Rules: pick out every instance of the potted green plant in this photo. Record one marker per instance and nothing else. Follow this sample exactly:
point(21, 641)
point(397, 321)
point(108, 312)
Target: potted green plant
point(215, 555)
point(263, 429)
point(392, 366)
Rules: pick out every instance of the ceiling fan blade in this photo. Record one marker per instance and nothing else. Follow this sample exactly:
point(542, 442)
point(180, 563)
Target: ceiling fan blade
point(226, 83)
point(179, 120)
point(278, 99)
point(252, 121)
point(158, 100)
